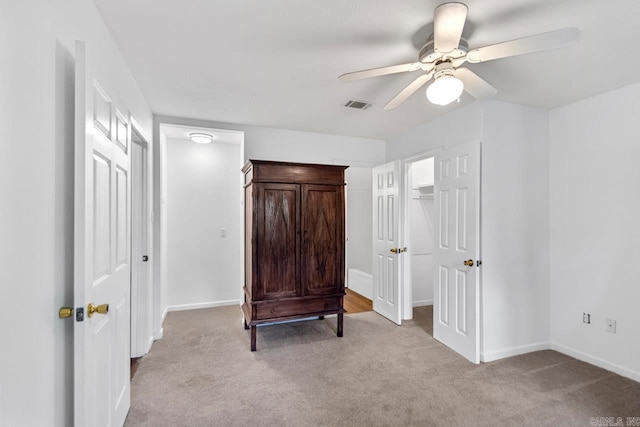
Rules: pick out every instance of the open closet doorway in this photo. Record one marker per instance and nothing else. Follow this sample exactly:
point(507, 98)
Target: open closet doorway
point(419, 222)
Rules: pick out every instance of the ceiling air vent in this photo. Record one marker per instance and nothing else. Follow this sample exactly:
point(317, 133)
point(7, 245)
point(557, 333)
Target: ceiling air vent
point(358, 105)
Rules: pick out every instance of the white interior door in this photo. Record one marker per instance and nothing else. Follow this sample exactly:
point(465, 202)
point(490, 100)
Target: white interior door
point(456, 250)
point(102, 260)
point(386, 241)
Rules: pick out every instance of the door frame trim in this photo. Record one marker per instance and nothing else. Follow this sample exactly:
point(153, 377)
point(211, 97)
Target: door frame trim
point(140, 311)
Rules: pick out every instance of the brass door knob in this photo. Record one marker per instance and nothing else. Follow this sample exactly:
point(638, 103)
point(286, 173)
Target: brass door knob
point(101, 309)
point(394, 250)
point(65, 312)
point(469, 263)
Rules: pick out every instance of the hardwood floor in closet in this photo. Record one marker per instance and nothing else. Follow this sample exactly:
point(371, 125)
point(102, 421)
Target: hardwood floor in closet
point(356, 303)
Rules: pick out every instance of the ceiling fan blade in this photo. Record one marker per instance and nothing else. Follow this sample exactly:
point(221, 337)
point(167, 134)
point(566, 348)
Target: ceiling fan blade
point(544, 41)
point(408, 91)
point(448, 23)
point(475, 85)
point(375, 72)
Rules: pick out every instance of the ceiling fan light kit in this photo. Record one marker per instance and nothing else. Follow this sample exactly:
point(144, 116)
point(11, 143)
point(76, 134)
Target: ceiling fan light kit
point(446, 88)
point(446, 50)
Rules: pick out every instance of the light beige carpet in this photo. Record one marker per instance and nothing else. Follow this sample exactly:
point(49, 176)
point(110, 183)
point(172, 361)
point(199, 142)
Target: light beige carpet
point(379, 374)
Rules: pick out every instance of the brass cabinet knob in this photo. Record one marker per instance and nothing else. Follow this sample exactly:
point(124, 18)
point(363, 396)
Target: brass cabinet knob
point(469, 263)
point(101, 309)
point(65, 312)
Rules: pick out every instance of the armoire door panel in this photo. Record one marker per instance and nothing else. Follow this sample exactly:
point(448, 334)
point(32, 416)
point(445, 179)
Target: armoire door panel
point(278, 225)
point(322, 241)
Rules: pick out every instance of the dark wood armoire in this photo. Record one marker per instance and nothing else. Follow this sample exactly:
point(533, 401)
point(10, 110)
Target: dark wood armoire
point(294, 242)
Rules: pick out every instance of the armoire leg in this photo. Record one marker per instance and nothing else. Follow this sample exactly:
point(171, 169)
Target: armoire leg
point(340, 324)
point(253, 338)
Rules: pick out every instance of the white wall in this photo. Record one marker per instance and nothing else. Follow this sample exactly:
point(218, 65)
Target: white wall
point(595, 232)
point(514, 209)
point(515, 230)
point(36, 193)
point(159, 231)
point(295, 146)
point(359, 218)
point(203, 268)
point(459, 126)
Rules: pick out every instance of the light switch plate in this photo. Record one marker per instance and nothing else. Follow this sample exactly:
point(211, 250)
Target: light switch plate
point(611, 326)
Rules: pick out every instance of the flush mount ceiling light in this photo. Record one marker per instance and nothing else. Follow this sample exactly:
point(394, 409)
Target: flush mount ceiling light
point(446, 88)
point(200, 138)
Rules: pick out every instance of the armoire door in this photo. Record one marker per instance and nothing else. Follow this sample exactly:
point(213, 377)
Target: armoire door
point(322, 251)
point(278, 223)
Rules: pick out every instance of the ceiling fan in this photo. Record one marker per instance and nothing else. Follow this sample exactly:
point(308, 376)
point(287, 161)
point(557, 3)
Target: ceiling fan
point(442, 57)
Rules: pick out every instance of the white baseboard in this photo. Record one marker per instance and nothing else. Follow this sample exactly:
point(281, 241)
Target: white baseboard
point(209, 304)
point(164, 315)
point(360, 282)
point(490, 356)
point(422, 303)
point(159, 335)
point(620, 370)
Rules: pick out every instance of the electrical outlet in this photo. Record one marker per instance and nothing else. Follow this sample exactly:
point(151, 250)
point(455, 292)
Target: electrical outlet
point(611, 326)
point(586, 318)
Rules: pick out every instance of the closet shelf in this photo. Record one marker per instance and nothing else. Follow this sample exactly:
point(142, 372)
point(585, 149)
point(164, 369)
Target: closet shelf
point(428, 188)
point(425, 191)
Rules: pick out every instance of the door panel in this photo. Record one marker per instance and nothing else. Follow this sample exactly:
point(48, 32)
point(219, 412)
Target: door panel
point(457, 201)
point(102, 217)
point(102, 257)
point(322, 239)
point(122, 231)
point(386, 227)
point(278, 226)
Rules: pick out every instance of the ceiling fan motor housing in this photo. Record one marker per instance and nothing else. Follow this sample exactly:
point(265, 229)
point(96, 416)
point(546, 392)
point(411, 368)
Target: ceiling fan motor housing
point(428, 54)
point(444, 68)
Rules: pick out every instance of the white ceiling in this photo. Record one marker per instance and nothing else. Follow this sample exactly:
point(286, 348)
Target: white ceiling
point(275, 63)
